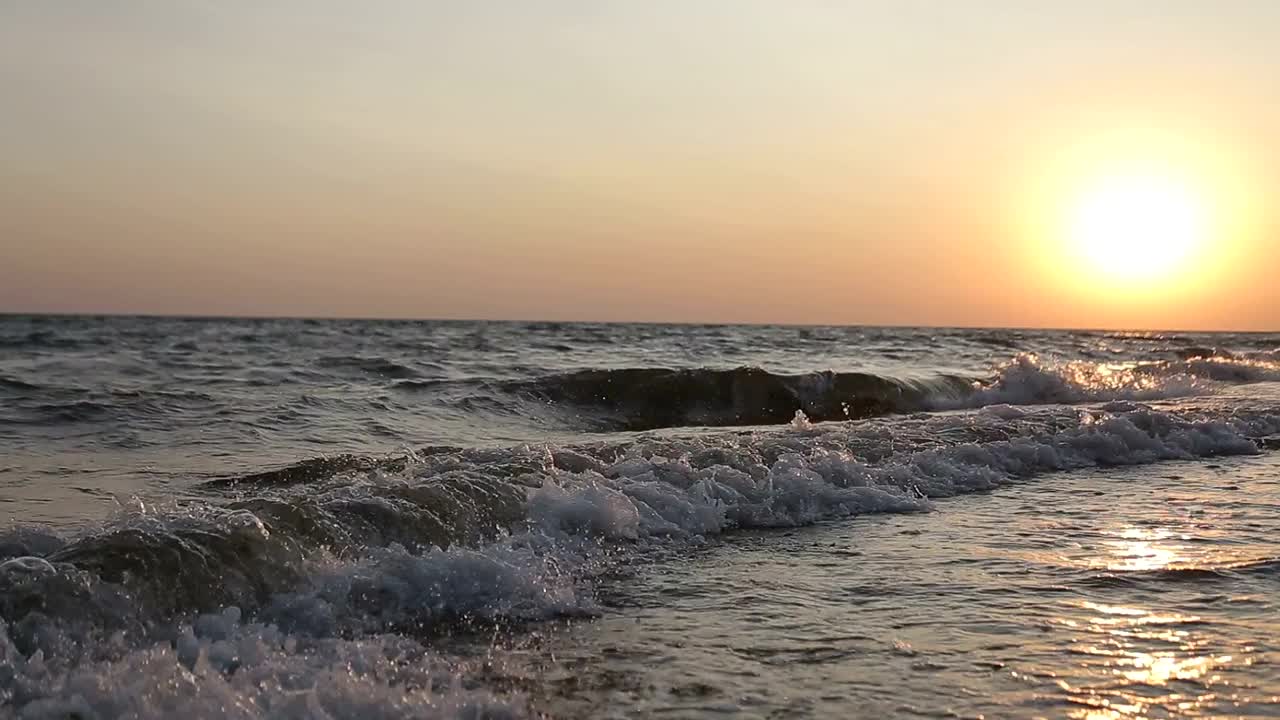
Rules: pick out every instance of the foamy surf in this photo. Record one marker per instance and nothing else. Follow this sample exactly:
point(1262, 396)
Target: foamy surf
point(262, 587)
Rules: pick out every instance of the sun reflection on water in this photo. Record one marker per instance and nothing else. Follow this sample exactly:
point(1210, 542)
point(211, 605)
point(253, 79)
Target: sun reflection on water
point(1139, 549)
point(1143, 661)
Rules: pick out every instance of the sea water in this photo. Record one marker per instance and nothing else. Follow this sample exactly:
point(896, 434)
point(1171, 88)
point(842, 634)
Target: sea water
point(292, 518)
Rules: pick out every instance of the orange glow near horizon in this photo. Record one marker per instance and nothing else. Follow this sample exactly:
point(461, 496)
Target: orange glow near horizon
point(993, 163)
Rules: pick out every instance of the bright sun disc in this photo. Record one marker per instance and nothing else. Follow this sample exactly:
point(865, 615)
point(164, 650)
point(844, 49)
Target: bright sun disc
point(1138, 226)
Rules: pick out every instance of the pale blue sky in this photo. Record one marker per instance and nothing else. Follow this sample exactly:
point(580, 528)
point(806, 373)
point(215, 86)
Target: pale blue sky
point(731, 160)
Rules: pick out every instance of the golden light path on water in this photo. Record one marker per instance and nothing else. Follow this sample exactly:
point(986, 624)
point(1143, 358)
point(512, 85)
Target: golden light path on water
point(1117, 644)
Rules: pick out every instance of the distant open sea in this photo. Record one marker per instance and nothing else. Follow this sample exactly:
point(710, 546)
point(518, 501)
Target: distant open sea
point(208, 518)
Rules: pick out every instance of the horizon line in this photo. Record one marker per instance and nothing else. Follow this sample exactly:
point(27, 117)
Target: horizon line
point(691, 323)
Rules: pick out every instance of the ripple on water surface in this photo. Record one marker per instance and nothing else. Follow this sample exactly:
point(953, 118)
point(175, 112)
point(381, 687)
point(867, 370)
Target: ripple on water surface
point(1126, 593)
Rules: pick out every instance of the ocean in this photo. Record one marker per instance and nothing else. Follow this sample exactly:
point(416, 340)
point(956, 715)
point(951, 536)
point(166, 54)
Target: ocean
point(209, 518)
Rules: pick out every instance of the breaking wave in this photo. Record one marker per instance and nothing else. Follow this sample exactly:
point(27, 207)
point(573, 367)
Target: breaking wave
point(456, 536)
point(653, 398)
point(640, 399)
point(649, 398)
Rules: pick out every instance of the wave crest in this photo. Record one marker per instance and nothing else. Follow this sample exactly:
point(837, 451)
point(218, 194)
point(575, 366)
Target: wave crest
point(653, 398)
point(1029, 380)
point(650, 398)
point(263, 539)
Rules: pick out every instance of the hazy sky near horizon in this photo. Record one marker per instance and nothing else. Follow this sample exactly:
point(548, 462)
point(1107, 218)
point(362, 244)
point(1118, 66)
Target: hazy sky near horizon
point(694, 160)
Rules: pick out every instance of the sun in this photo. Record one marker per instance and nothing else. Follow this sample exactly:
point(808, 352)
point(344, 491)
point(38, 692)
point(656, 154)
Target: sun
point(1137, 225)
point(1136, 219)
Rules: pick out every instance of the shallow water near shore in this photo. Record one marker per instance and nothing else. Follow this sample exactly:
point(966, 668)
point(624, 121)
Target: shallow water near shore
point(226, 518)
point(1103, 594)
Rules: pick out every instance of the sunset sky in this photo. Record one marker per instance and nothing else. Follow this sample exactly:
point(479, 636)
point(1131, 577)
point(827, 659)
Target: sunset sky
point(905, 162)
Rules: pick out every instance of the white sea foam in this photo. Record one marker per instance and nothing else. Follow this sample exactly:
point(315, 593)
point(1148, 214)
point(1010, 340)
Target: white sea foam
point(323, 648)
point(1028, 379)
point(671, 496)
point(1249, 368)
point(521, 578)
point(230, 670)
